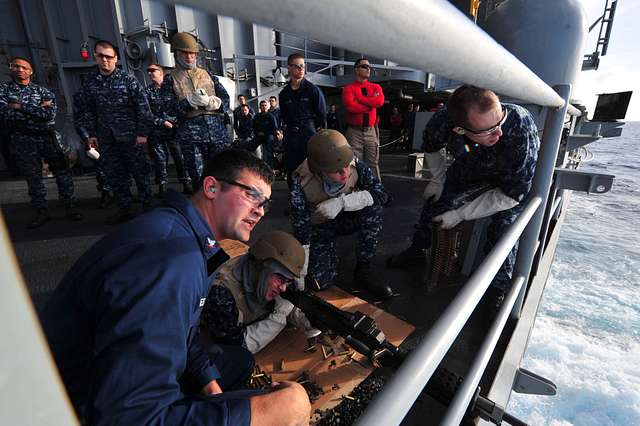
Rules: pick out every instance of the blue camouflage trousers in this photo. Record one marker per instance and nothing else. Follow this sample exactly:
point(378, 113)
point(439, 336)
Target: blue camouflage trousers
point(120, 161)
point(454, 195)
point(323, 259)
point(29, 152)
point(200, 138)
point(161, 147)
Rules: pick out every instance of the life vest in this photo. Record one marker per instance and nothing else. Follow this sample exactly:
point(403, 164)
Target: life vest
point(313, 186)
point(226, 278)
point(186, 82)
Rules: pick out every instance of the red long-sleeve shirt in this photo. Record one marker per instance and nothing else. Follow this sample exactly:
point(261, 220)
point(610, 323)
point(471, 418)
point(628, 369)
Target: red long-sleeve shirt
point(361, 109)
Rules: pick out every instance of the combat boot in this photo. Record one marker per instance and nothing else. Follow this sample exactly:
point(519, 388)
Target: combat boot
point(363, 278)
point(187, 188)
point(42, 217)
point(72, 213)
point(122, 215)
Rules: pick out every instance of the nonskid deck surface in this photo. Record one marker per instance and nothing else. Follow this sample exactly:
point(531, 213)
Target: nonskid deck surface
point(46, 253)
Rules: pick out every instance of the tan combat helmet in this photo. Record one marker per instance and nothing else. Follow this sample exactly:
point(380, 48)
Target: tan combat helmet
point(282, 247)
point(328, 151)
point(185, 42)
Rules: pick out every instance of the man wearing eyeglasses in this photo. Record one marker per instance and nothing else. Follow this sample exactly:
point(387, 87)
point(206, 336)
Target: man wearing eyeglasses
point(495, 146)
point(244, 306)
point(29, 111)
point(118, 120)
point(124, 322)
point(361, 99)
point(162, 137)
point(199, 101)
point(303, 110)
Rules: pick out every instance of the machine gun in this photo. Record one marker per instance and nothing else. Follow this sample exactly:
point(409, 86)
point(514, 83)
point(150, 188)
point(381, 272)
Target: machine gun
point(358, 330)
point(362, 334)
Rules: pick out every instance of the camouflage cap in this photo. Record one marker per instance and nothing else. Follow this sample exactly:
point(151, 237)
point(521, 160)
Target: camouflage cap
point(185, 42)
point(328, 151)
point(282, 247)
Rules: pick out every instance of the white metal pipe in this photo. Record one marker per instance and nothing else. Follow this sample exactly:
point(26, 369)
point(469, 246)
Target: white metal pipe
point(398, 395)
point(464, 394)
point(432, 36)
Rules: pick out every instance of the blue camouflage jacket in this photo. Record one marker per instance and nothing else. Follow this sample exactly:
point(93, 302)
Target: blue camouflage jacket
point(116, 106)
point(123, 323)
point(509, 164)
point(32, 117)
point(158, 100)
point(301, 210)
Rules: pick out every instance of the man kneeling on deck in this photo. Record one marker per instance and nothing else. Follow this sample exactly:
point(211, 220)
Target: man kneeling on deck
point(244, 306)
point(495, 146)
point(334, 193)
point(123, 324)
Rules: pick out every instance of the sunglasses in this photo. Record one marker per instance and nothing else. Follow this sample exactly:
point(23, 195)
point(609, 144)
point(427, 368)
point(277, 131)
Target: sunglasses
point(490, 130)
point(256, 197)
point(298, 66)
point(103, 56)
point(364, 66)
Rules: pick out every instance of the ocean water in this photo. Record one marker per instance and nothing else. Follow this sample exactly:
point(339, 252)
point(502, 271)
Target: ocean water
point(587, 335)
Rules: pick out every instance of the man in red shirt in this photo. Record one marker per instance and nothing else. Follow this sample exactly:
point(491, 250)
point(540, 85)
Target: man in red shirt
point(361, 99)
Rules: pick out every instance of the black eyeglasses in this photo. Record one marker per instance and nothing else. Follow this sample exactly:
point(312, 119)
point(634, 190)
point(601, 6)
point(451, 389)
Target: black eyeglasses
point(490, 130)
point(257, 198)
point(299, 66)
point(364, 66)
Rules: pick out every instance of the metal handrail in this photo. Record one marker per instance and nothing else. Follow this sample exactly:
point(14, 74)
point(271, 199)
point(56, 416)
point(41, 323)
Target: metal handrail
point(464, 394)
point(398, 395)
point(436, 28)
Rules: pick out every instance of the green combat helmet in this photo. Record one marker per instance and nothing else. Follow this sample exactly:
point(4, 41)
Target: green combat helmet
point(185, 42)
point(328, 151)
point(282, 247)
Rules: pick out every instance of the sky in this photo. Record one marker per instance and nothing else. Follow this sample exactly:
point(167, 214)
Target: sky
point(620, 69)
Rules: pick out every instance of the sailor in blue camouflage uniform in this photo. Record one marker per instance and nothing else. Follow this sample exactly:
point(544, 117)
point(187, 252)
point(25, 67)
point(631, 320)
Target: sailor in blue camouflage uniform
point(162, 138)
point(199, 101)
point(303, 110)
point(118, 122)
point(79, 117)
point(244, 306)
point(333, 193)
point(495, 146)
point(29, 112)
point(265, 127)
